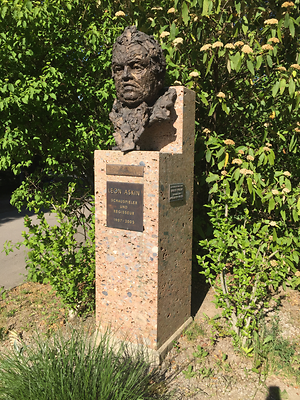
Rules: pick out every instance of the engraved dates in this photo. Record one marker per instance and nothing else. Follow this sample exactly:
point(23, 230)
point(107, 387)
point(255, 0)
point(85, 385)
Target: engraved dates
point(125, 205)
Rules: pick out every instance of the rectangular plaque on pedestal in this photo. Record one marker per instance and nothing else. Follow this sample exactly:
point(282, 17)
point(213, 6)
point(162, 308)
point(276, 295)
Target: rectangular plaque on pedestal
point(125, 205)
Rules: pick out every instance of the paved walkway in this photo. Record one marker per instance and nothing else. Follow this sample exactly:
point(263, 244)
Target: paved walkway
point(12, 266)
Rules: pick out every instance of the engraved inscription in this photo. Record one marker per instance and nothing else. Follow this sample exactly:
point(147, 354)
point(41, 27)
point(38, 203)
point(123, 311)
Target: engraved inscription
point(125, 205)
point(176, 192)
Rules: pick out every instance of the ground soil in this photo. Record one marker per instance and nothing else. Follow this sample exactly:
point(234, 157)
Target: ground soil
point(203, 363)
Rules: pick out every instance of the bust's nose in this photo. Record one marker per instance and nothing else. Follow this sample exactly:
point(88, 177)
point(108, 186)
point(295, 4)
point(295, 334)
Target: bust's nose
point(126, 73)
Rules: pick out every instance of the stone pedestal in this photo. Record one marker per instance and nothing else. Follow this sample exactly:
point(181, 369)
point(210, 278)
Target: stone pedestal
point(144, 211)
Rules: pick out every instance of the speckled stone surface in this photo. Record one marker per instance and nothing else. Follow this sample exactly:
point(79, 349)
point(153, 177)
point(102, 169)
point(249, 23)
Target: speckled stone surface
point(143, 279)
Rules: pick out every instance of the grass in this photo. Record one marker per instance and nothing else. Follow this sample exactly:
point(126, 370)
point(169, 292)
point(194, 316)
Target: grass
point(74, 367)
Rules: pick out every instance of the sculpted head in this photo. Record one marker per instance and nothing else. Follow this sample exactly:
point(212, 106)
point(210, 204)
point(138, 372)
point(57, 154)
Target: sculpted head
point(138, 68)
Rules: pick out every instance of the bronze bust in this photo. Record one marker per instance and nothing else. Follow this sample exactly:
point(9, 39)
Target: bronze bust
point(138, 70)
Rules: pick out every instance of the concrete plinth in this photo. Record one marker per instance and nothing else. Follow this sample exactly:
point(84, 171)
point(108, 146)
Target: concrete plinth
point(143, 272)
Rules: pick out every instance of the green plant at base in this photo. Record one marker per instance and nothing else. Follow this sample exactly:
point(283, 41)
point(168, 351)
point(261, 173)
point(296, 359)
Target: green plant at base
point(200, 353)
point(253, 211)
point(189, 373)
point(75, 367)
point(56, 255)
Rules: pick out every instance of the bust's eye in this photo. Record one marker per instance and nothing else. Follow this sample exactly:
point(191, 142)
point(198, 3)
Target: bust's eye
point(137, 66)
point(118, 68)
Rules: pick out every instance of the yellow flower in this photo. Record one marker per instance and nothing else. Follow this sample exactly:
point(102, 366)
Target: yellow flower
point(205, 47)
point(272, 21)
point(120, 14)
point(287, 173)
point(287, 4)
point(229, 142)
point(229, 46)
point(296, 66)
point(273, 40)
point(194, 74)
point(275, 192)
point(247, 49)
point(171, 10)
point(239, 43)
point(164, 34)
point(217, 44)
point(267, 47)
point(221, 95)
point(250, 158)
point(177, 41)
point(237, 161)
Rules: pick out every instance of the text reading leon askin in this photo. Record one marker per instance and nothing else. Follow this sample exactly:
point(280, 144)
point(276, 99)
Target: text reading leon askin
point(127, 192)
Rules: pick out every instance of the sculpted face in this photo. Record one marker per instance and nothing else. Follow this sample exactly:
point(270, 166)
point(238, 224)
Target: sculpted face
point(135, 78)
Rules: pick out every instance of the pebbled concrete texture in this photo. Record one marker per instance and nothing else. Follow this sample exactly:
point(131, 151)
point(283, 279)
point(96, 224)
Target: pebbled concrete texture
point(143, 277)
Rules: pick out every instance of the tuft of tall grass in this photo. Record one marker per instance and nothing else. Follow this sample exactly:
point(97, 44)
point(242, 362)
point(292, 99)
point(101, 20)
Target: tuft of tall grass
point(76, 368)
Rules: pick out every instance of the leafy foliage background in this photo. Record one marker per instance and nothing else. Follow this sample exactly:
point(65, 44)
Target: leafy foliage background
point(241, 58)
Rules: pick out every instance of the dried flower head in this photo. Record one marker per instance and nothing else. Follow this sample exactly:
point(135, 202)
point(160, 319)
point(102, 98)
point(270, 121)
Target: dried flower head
point(287, 173)
point(206, 130)
point(281, 69)
point(229, 142)
point(194, 74)
point(272, 21)
point(266, 148)
point(297, 129)
point(217, 44)
point(239, 43)
point(177, 83)
point(247, 49)
point(250, 158)
point(164, 34)
point(120, 14)
point(221, 95)
point(273, 263)
point(229, 46)
point(275, 192)
point(273, 223)
point(296, 66)
point(177, 41)
point(267, 47)
point(287, 4)
point(157, 8)
point(205, 47)
point(171, 10)
point(241, 152)
point(274, 40)
point(224, 173)
point(269, 144)
point(245, 171)
point(297, 273)
point(237, 161)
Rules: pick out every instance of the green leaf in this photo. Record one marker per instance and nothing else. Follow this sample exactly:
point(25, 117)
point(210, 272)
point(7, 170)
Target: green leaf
point(282, 85)
point(205, 7)
point(292, 87)
point(250, 67)
point(275, 88)
point(185, 13)
point(271, 205)
point(292, 27)
point(269, 61)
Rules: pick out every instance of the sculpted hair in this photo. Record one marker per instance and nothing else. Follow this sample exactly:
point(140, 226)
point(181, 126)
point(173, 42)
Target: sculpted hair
point(132, 36)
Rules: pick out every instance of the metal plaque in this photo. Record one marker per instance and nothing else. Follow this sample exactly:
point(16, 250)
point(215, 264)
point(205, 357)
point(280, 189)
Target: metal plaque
point(124, 170)
point(124, 205)
point(176, 192)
